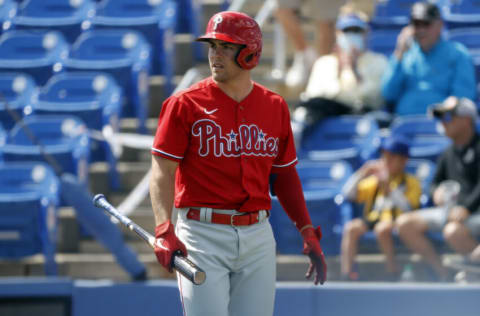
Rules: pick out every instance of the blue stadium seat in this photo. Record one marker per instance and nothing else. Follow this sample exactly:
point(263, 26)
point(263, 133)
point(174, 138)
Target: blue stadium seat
point(64, 138)
point(29, 196)
point(461, 13)
point(189, 20)
point(391, 14)
point(322, 183)
point(154, 19)
point(125, 55)
point(39, 54)
point(3, 139)
point(8, 9)
point(20, 91)
point(425, 134)
point(95, 98)
point(383, 41)
point(68, 17)
point(351, 138)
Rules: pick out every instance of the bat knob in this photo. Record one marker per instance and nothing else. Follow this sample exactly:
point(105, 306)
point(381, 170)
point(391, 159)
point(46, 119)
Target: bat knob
point(97, 198)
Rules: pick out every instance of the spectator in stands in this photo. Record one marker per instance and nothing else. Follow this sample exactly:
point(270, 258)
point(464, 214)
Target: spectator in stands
point(348, 81)
point(459, 218)
point(324, 14)
point(386, 191)
point(426, 68)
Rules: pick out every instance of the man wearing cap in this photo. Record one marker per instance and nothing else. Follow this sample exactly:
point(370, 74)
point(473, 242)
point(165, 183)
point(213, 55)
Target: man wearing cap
point(426, 68)
point(386, 191)
point(347, 81)
point(457, 217)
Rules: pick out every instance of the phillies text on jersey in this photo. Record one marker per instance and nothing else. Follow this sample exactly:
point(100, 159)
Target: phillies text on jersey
point(225, 149)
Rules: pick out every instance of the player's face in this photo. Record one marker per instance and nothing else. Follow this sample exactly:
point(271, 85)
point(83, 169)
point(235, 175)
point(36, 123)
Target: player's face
point(221, 57)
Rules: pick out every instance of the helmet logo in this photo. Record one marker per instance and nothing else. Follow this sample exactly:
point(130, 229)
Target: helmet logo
point(218, 19)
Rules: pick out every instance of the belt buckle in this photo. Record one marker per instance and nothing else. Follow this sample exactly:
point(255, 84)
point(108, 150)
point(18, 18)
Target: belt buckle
point(231, 219)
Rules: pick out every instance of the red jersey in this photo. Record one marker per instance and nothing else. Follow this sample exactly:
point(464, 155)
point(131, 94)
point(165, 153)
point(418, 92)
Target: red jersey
point(226, 149)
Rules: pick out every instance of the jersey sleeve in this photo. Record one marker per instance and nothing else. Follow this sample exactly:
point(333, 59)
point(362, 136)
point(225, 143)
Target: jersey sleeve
point(172, 135)
point(287, 155)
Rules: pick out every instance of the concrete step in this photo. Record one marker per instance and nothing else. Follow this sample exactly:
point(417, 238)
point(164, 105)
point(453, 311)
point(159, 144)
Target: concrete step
point(82, 266)
point(93, 265)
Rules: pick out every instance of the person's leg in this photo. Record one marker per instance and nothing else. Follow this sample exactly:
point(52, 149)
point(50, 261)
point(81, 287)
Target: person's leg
point(212, 248)
point(352, 232)
point(459, 238)
point(252, 284)
point(304, 55)
point(324, 13)
point(325, 36)
point(383, 231)
point(412, 228)
point(292, 26)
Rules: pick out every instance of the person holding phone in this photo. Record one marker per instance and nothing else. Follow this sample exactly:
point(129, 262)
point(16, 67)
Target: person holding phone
point(426, 68)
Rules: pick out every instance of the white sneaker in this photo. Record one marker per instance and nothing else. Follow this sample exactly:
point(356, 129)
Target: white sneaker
point(298, 73)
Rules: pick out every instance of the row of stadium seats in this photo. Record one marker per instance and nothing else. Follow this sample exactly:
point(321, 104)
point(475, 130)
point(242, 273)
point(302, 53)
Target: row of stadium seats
point(124, 54)
point(156, 20)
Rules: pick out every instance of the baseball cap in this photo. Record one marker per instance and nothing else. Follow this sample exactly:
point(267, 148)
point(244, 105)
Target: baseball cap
point(424, 11)
point(457, 106)
point(351, 20)
point(396, 145)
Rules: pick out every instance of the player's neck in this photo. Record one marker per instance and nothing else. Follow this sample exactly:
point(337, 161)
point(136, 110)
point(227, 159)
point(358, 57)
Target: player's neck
point(237, 89)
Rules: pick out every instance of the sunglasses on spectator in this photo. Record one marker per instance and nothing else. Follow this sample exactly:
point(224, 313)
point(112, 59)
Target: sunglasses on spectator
point(421, 23)
point(446, 117)
point(353, 30)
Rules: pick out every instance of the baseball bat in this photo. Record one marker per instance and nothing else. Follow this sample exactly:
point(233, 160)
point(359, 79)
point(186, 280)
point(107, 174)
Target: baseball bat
point(180, 263)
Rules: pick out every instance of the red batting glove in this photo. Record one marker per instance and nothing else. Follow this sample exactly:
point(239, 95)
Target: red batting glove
point(166, 244)
point(312, 248)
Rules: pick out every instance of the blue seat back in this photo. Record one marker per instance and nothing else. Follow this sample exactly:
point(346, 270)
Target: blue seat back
point(383, 41)
point(39, 54)
point(20, 91)
point(113, 46)
point(424, 133)
point(68, 17)
point(461, 13)
point(94, 97)
point(29, 195)
point(125, 55)
point(392, 13)
point(63, 137)
point(352, 138)
point(155, 20)
point(8, 9)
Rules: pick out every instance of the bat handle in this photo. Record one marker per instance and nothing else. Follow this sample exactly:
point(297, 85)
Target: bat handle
point(188, 269)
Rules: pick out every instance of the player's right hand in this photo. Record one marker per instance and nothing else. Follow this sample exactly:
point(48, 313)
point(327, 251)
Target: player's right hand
point(311, 247)
point(166, 244)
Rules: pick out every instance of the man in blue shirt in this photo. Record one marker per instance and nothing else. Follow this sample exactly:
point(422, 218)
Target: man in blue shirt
point(426, 68)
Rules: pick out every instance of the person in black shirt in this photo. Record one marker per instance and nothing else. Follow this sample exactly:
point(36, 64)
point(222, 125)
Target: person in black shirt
point(455, 188)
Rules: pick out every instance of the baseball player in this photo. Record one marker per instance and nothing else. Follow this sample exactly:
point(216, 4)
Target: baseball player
point(218, 148)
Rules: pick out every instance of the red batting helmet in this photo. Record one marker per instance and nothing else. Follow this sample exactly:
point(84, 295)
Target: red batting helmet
point(238, 28)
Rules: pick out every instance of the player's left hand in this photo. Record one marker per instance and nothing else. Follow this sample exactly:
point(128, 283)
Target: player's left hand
point(312, 248)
